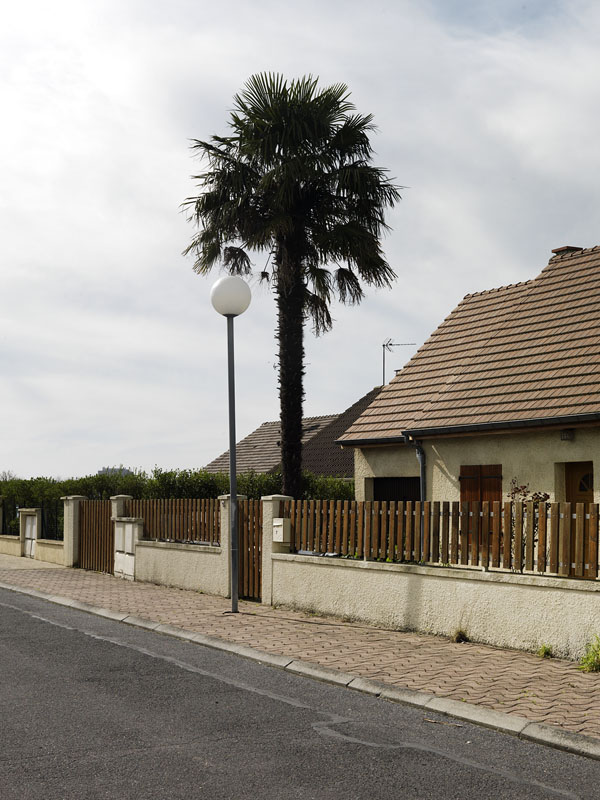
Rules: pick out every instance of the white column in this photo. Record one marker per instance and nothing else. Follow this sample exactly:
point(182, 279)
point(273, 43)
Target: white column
point(71, 529)
point(270, 510)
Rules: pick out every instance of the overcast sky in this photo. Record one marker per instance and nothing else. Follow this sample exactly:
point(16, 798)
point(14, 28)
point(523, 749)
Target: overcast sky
point(110, 353)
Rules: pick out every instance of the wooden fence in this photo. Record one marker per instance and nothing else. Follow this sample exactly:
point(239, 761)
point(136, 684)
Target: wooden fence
point(545, 538)
point(178, 520)
point(250, 549)
point(96, 536)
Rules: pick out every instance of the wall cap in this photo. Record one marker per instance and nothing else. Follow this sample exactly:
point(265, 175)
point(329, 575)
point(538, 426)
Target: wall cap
point(74, 497)
point(196, 548)
point(122, 497)
point(464, 573)
point(277, 497)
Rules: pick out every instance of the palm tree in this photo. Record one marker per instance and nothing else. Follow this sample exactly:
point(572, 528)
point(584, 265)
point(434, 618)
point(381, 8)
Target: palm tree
point(294, 180)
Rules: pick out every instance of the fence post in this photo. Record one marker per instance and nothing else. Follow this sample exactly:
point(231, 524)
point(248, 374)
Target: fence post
point(71, 529)
point(270, 510)
point(117, 504)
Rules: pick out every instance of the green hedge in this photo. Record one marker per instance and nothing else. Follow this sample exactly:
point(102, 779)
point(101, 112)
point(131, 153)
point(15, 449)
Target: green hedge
point(166, 484)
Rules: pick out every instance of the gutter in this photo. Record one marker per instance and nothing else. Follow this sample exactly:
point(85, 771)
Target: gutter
point(567, 421)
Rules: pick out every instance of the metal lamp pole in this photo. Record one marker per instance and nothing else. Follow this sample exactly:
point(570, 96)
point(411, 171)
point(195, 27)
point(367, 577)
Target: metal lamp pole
point(231, 297)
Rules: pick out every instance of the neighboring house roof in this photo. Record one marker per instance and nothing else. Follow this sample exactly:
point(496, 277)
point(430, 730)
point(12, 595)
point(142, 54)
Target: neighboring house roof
point(523, 355)
point(260, 451)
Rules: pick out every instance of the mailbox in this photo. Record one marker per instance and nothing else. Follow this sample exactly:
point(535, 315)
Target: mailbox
point(281, 530)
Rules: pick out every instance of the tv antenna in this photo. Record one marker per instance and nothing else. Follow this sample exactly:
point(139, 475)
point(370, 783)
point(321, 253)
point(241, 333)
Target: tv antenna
point(386, 347)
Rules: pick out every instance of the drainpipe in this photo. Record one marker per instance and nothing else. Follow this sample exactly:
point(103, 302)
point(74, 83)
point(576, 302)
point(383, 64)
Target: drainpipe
point(421, 458)
point(420, 453)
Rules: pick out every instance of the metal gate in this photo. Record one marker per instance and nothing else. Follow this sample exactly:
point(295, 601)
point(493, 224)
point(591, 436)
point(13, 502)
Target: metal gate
point(96, 536)
point(250, 549)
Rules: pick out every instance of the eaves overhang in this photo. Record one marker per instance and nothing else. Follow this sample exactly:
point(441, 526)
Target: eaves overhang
point(372, 442)
point(566, 421)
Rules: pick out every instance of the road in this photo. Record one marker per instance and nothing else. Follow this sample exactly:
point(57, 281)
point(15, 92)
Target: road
point(91, 708)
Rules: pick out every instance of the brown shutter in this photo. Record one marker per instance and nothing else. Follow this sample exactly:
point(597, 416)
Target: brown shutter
point(491, 482)
point(479, 482)
point(470, 490)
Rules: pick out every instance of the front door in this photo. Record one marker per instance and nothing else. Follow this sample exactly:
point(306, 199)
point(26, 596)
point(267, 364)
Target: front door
point(579, 481)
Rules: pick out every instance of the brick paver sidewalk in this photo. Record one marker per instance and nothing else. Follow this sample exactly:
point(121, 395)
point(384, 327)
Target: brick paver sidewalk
point(543, 690)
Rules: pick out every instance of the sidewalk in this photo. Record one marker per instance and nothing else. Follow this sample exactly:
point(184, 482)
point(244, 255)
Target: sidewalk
point(548, 691)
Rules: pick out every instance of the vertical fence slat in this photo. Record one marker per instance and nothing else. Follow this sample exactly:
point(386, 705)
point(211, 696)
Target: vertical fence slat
point(350, 543)
point(564, 539)
point(418, 529)
point(454, 531)
point(426, 554)
point(435, 533)
point(408, 527)
point(579, 539)
point(542, 536)
point(464, 533)
point(475, 531)
point(529, 536)
point(358, 531)
point(485, 534)
point(593, 541)
point(518, 541)
point(496, 520)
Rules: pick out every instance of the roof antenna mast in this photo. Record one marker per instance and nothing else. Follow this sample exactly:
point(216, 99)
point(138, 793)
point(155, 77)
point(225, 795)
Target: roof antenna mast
point(387, 347)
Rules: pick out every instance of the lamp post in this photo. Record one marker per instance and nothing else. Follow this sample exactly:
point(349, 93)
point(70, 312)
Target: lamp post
point(230, 296)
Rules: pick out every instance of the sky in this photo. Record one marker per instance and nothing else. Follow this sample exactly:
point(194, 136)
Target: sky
point(488, 115)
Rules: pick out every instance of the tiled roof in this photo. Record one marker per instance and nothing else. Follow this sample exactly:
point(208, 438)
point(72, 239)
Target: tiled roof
point(322, 455)
point(525, 352)
point(260, 451)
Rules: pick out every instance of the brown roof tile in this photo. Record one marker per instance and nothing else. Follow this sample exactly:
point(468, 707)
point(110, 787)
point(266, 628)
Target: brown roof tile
point(260, 450)
point(521, 352)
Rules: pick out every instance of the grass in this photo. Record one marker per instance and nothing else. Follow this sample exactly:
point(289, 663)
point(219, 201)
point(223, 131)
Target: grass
point(545, 651)
point(590, 660)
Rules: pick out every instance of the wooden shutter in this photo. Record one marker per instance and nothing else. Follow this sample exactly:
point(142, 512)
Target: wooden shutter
point(480, 482)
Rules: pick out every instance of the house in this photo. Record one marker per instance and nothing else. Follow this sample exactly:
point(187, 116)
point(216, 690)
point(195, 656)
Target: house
point(260, 451)
point(508, 387)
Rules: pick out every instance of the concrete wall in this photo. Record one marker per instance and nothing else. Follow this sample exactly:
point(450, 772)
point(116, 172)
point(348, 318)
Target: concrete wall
point(535, 458)
point(505, 610)
point(50, 551)
point(186, 566)
point(11, 545)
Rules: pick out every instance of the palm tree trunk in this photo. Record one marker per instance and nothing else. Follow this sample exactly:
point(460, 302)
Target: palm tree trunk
point(290, 333)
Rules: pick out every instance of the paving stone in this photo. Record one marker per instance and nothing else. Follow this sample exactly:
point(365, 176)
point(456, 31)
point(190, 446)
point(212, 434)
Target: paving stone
point(410, 666)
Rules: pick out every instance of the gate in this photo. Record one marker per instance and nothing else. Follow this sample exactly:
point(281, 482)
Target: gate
point(250, 549)
point(96, 536)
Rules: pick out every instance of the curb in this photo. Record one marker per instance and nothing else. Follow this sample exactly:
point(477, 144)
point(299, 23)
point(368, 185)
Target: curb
point(512, 724)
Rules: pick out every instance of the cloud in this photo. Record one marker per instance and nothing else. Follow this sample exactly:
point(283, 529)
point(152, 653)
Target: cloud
point(109, 350)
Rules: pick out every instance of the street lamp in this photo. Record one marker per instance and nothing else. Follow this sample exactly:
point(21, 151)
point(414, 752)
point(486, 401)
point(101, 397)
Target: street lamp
point(230, 296)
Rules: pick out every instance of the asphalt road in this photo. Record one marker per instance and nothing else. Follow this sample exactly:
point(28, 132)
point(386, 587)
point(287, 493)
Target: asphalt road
point(91, 708)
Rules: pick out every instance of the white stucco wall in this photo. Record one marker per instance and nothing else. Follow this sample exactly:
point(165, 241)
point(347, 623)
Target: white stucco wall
point(186, 566)
point(502, 609)
point(11, 545)
point(532, 458)
point(50, 551)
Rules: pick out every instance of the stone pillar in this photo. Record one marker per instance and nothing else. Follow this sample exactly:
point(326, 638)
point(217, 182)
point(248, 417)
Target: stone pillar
point(270, 510)
point(29, 518)
point(71, 529)
point(226, 541)
point(118, 505)
point(1, 513)
point(128, 532)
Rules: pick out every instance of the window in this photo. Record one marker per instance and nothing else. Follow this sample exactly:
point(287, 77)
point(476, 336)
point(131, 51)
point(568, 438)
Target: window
point(396, 489)
point(480, 482)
